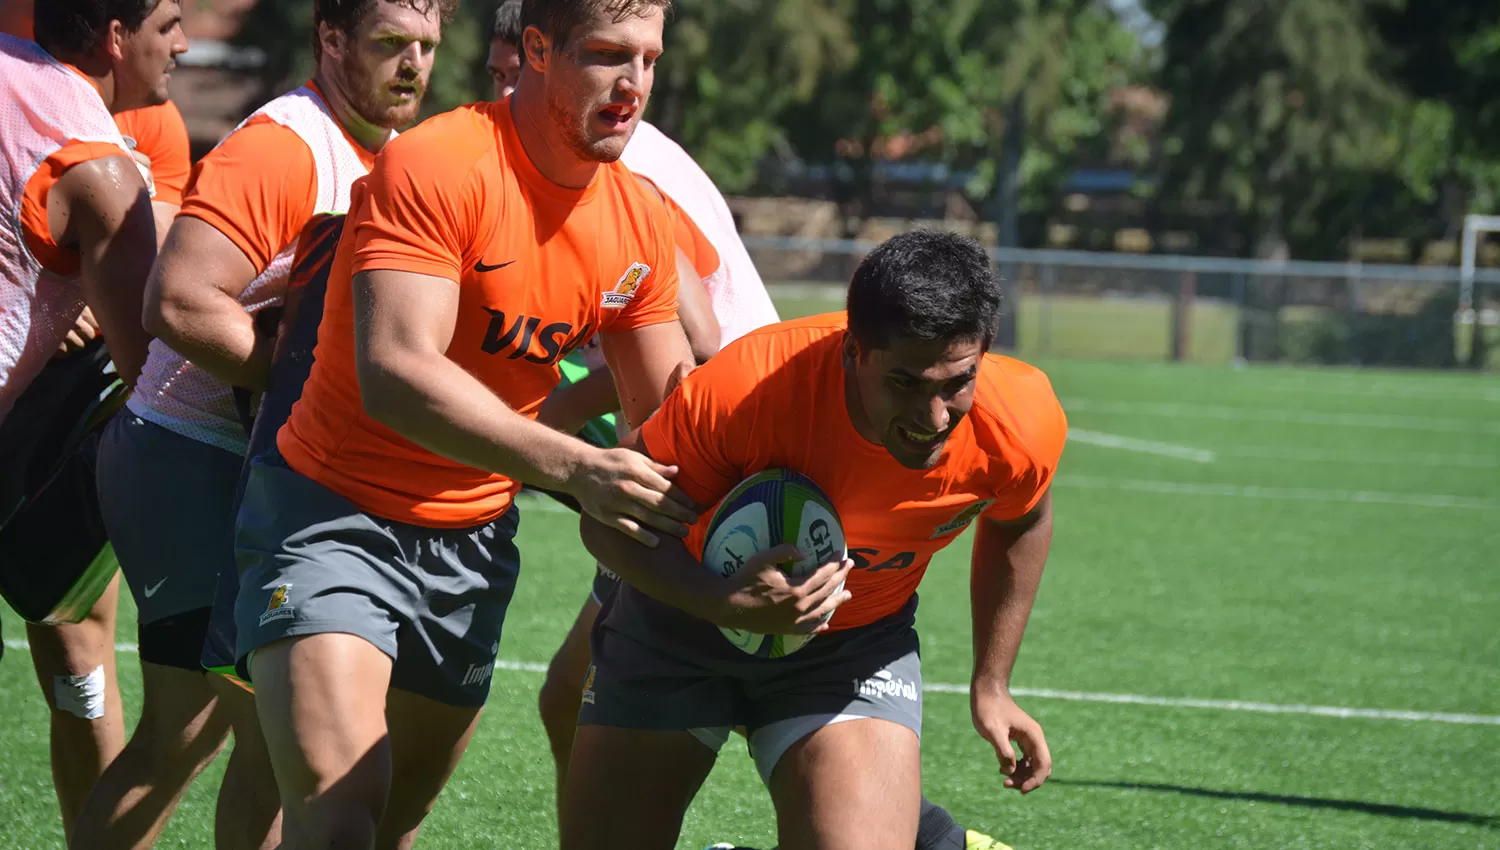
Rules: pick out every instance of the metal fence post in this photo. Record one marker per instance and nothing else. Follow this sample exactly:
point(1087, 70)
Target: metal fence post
point(1048, 279)
point(1241, 343)
point(1182, 315)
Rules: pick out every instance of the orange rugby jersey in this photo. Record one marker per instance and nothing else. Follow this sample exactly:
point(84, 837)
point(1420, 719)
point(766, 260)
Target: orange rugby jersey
point(160, 134)
point(775, 398)
point(260, 209)
point(540, 269)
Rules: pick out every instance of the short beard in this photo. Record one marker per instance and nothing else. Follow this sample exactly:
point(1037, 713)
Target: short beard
point(371, 105)
point(575, 137)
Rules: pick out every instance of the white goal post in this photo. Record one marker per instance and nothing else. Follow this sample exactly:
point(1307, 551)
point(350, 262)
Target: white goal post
point(1473, 226)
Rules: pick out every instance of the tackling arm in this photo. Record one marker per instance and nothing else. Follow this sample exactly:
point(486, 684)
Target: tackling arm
point(403, 325)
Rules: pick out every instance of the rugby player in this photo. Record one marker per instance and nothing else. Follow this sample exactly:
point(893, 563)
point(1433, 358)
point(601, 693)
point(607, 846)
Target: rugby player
point(740, 303)
point(170, 464)
point(896, 410)
point(375, 545)
point(76, 206)
point(729, 301)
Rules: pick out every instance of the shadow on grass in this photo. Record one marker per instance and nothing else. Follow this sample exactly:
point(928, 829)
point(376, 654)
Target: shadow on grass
point(1379, 809)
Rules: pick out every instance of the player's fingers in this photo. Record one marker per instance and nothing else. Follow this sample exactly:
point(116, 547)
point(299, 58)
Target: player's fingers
point(632, 529)
point(1037, 755)
point(1005, 752)
point(665, 500)
point(828, 575)
point(815, 619)
point(785, 553)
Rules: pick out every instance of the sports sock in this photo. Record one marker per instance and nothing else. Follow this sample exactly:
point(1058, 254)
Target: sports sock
point(936, 830)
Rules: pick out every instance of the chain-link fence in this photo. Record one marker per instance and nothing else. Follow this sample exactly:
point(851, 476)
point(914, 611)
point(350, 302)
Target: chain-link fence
point(1150, 307)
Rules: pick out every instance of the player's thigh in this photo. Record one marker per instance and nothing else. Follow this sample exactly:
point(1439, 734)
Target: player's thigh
point(167, 501)
point(629, 788)
point(428, 739)
point(321, 703)
point(570, 665)
point(853, 785)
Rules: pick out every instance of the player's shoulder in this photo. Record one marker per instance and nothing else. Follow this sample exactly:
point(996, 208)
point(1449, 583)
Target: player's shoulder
point(784, 352)
point(264, 136)
point(450, 143)
point(1014, 401)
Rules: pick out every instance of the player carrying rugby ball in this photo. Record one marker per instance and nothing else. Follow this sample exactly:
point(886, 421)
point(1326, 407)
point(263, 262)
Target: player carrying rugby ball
point(898, 413)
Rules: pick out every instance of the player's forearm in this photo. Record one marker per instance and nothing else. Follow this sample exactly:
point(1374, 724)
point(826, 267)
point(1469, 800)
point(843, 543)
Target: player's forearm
point(436, 404)
point(571, 407)
point(164, 213)
point(1005, 573)
point(208, 327)
point(667, 573)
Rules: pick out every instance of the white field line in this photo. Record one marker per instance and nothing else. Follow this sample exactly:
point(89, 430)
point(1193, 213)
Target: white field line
point(1230, 491)
point(1366, 458)
point(1295, 494)
point(1383, 421)
point(1338, 712)
point(1132, 444)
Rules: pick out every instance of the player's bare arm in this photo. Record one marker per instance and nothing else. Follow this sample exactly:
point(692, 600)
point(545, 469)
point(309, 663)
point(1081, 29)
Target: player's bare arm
point(760, 597)
point(1006, 570)
point(403, 325)
point(105, 211)
point(192, 303)
point(643, 361)
point(695, 311)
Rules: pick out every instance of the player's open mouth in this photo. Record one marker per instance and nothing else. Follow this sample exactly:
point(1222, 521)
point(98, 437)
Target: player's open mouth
point(919, 439)
point(405, 89)
point(616, 117)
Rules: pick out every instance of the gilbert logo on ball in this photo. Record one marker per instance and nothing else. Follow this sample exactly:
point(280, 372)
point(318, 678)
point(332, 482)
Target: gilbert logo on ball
point(768, 509)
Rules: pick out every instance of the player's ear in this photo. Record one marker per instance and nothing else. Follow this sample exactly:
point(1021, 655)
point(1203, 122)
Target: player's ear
point(536, 47)
point(114, 40)
point(851, 348)
point(331, 39)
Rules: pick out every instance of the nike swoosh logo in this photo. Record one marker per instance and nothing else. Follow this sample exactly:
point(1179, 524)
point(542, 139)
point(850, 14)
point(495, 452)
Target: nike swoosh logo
point(481, 268)
point(151, 591)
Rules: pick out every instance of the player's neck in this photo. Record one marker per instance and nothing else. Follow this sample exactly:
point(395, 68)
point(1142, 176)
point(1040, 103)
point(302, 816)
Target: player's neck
point(543, 144)
point(370, 136)
point(99, 73)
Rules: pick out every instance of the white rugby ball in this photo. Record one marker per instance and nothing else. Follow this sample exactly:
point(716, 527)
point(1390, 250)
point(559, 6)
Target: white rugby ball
point(768, 509)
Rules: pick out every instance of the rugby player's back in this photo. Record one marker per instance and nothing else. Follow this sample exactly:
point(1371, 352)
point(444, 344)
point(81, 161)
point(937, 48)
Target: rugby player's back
point(776, 398)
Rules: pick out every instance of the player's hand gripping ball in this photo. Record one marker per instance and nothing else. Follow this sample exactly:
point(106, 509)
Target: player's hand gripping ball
point(766, 510)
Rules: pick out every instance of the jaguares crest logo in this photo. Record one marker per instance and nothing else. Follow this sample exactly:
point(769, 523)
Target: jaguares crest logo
point(625, 289)
point(277, 608)
point(965, 516)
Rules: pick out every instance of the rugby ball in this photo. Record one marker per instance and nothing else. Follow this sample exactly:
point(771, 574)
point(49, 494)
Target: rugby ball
point(764, 511)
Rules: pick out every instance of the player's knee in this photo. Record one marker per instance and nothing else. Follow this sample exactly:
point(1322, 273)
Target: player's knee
point(81, 696)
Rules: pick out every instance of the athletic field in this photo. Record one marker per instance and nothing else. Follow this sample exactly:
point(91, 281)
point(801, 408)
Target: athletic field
point(1271, 619)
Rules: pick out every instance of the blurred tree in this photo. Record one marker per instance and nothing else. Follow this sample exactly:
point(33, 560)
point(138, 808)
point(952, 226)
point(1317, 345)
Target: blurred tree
point(733, 68)
point(946, 80)
point(1446, 55)
point(1281, 109)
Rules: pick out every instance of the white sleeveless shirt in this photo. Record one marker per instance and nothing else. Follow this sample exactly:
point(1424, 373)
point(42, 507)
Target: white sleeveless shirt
point(736, 292)
point(177, 395)
point(43, 106)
